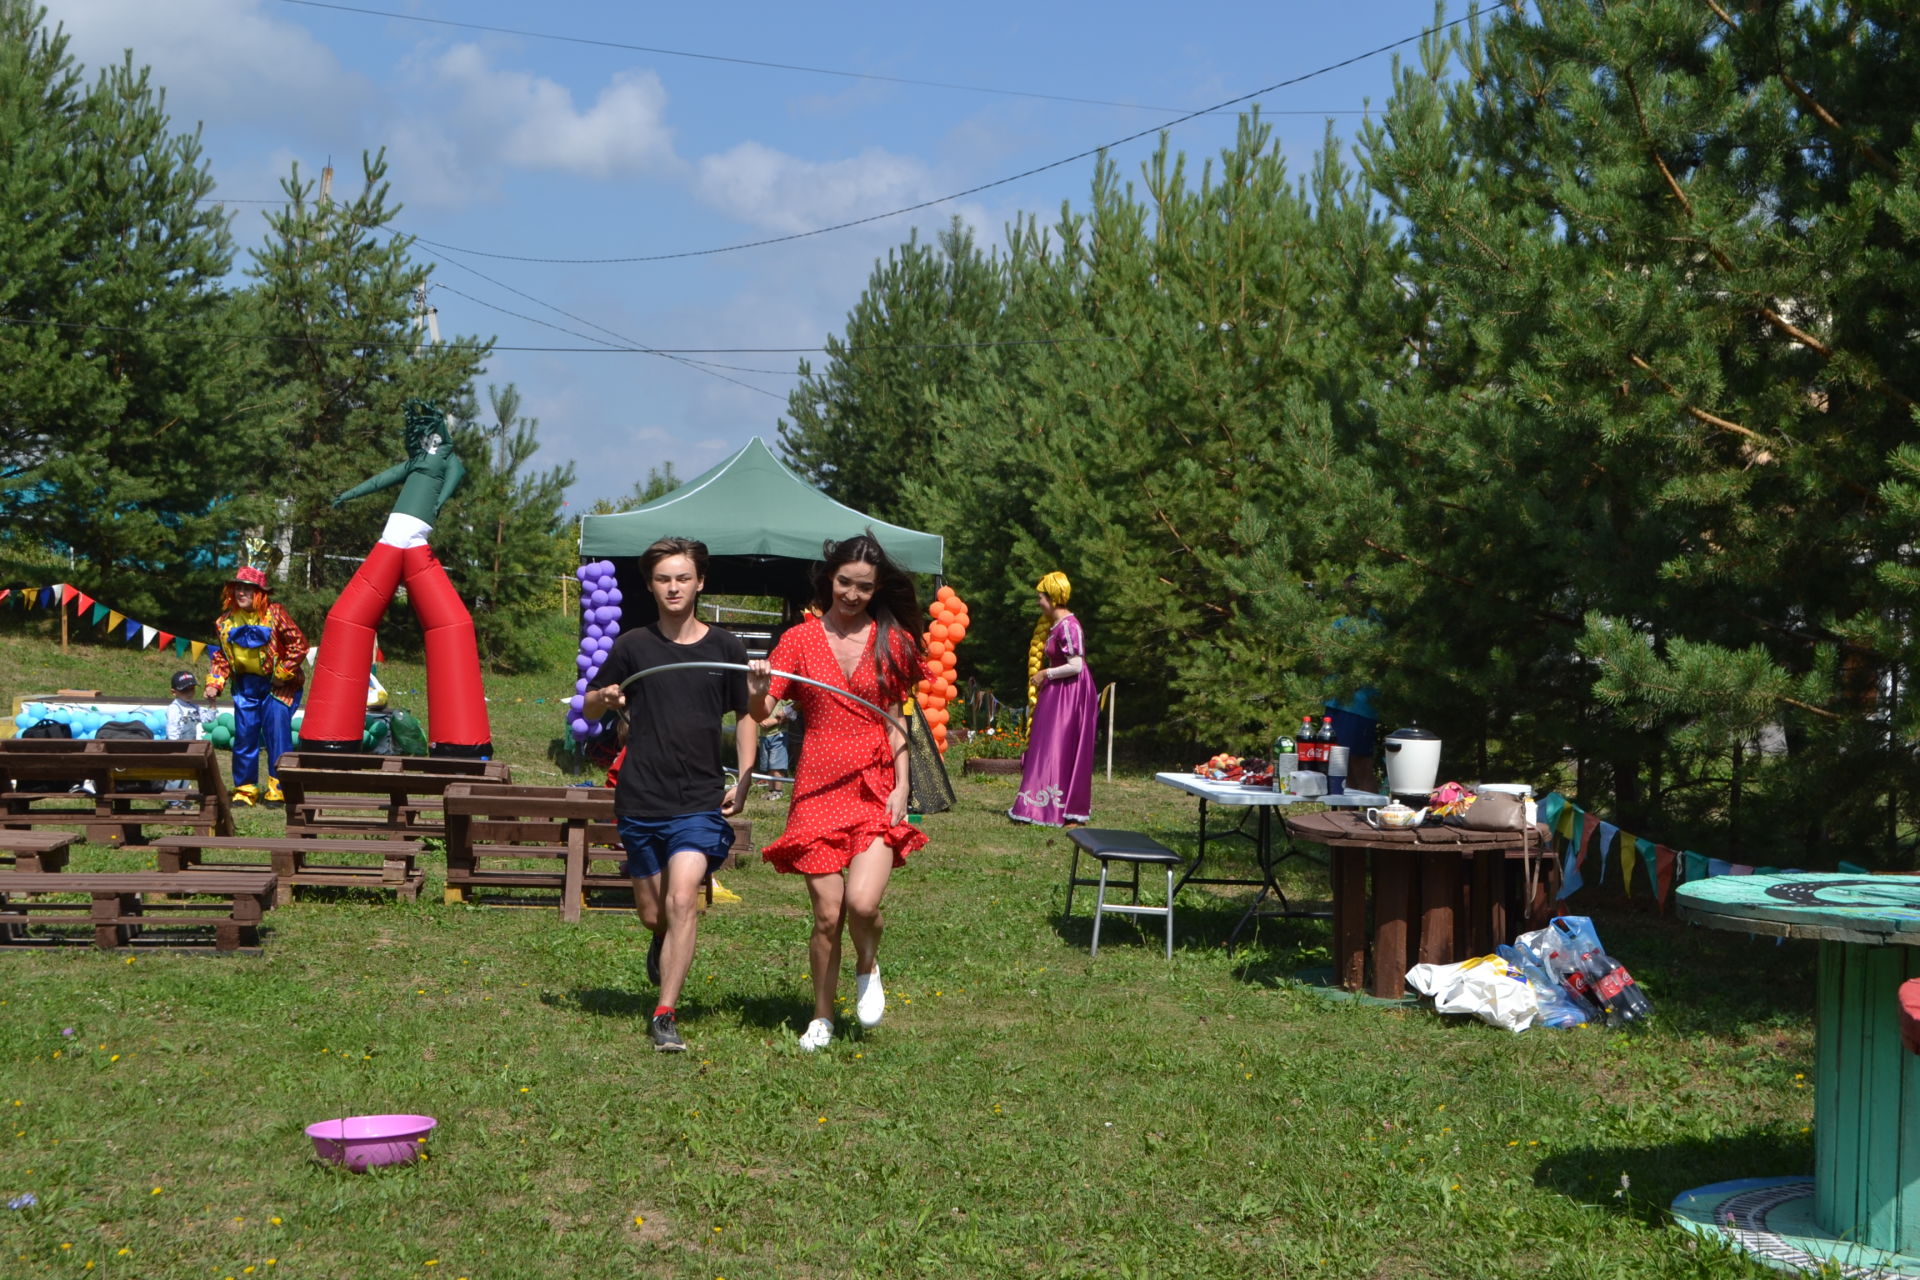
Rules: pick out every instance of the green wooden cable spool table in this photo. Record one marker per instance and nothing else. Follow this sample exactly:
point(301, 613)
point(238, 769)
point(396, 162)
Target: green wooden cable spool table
point(1861, 1209)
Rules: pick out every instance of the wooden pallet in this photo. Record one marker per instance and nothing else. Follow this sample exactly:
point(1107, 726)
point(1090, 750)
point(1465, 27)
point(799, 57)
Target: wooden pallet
point(119, 905)
point(293, 862)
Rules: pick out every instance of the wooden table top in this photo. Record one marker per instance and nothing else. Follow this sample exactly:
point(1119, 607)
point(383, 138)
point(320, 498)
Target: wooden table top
point(1835, 906)
point(1350, 831)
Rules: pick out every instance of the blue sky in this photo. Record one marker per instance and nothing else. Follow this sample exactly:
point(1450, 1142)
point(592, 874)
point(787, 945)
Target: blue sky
point(548, 149)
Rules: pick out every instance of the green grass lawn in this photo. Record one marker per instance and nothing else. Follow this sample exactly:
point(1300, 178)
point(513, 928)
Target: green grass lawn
point(1024, 1111)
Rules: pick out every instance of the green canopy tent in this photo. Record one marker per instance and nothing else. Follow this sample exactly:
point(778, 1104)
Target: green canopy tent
point(763, 526)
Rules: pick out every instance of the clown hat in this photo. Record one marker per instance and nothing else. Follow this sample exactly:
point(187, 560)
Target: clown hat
point(249, 576)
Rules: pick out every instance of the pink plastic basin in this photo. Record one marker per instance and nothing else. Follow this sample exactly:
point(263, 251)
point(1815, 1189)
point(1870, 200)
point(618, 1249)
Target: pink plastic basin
point(360, 1142)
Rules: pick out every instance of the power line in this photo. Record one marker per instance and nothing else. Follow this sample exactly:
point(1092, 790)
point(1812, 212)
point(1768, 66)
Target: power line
point(753, 62)
point(957, 195)
point(694, 365)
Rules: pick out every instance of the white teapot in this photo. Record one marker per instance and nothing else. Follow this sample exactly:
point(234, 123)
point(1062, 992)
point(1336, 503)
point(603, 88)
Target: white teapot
point(1395, 817)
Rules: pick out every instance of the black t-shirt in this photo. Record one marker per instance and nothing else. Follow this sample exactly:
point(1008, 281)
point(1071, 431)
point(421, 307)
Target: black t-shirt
point(674, 764)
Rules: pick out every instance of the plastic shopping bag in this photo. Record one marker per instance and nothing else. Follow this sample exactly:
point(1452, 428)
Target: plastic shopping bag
point(1557, 1006)
point(1487, 987)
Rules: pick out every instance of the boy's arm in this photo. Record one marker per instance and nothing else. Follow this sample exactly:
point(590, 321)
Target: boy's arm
point(746, 749)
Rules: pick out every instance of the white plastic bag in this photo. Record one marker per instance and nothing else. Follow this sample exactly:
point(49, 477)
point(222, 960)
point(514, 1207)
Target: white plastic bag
point(1487, 987)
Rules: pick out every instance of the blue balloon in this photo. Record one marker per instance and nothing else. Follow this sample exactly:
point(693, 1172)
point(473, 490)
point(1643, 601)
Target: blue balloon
point(580, 685)
point(606, 583)
point(613, 595)
point(578, 701)
point(579, 726)
point(599, 597)
point(593, 631)
point(583, 662)
point(599, 658)
point(25, 720)
point(587, 644)
point(584, 572)
point(610, 630)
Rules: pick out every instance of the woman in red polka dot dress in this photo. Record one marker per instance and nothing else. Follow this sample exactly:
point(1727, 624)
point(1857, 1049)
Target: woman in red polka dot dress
point(847, 828)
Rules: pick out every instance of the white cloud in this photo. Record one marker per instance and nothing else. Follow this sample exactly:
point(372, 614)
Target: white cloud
point(216, 58)
point(758, 185)
point(530, 122)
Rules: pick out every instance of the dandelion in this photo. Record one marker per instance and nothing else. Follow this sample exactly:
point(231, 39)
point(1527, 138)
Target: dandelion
point(433, 1262)
point(156, 1191)
point(67, 1245)
point(823, 1120)
point(114, 1058)
point(123, 1252)
point(524, 1089)
point(639, 1221)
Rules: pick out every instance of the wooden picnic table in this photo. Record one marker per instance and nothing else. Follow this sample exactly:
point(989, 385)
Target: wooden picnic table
point(112, 814)
point(571, 826)
point(1438, 893)
point(119, 904)
point(1865, 1189)
point(375, 795)
point(37, 850)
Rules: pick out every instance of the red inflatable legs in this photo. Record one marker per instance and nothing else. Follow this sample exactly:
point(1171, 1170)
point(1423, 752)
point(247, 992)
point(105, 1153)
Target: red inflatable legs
point(336, 718)
point(456, 698)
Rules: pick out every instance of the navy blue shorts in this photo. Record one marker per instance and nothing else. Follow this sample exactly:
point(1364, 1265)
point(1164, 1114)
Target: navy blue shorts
point(651, 842)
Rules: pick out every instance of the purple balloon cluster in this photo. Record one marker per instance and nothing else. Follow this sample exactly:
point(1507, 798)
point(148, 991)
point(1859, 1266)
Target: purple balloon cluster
point(599, 624)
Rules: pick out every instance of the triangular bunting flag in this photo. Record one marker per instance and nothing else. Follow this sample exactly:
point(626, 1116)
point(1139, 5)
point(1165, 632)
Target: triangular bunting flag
point(163, 639)
point(147, 634)
point(1719, 867)
point(1571, 881)
point(198, 649)
point(62, 592)
point(1693, 867)
point(5, 592)
point(1663, 861)
point(1548, 810)
point(1608, 833)
point(45, 595)
point(1742, 869)
point(99, 614)
point(1629, 856)
point(180, 645)
point(133, 629)
point(114, 619)
point(86, 601)
point(1563, 826)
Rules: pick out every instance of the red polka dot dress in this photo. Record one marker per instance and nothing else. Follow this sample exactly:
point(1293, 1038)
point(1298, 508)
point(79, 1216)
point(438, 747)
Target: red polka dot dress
point(846, 765)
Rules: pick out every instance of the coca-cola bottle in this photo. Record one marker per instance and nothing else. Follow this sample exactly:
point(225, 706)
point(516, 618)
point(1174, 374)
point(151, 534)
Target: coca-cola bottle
point(1311, 757)
point(1613, 989)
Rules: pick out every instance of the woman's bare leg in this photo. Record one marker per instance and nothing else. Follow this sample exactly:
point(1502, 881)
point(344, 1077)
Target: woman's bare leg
point(867, 877)
point(823, 948)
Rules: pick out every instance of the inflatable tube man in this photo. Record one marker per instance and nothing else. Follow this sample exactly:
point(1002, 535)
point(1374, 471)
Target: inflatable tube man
point(456, 698)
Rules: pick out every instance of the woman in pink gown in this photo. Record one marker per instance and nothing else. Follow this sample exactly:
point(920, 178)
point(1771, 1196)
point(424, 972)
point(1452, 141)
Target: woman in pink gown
point(1056, 783)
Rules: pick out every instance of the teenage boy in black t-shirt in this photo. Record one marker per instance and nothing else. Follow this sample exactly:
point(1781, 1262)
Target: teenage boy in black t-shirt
point(671, 798)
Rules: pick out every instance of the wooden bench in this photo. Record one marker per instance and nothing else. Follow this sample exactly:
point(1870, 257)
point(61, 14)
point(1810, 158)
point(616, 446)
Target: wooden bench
point(111, 815)
point(573, 826)
point(37, 850)
point(293, 861)
point(118, 908)
point(373, 795)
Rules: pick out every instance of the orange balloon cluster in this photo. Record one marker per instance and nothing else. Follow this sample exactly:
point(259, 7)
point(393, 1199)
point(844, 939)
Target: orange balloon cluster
point(938, 688)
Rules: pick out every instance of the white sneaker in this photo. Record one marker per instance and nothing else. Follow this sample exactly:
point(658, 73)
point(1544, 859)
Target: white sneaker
point(818, 1034)
point(869, 998)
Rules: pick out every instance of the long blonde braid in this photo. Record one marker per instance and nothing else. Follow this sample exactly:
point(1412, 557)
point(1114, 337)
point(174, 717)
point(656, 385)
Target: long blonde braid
point(1057, 589)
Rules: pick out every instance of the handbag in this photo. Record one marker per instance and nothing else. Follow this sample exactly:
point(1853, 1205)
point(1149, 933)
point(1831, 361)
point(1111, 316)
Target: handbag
point(1495, 811)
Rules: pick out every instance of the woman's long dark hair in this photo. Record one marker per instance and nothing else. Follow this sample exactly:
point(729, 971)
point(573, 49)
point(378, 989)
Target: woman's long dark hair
point(895, 606)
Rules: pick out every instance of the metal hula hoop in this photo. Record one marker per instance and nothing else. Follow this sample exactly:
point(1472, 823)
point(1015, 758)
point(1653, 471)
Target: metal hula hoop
point(891, 718)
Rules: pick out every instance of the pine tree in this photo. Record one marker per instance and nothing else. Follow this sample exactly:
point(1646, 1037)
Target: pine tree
point(1670, 267)
point(133, 408)
point(500, 536)
point(861, 423)
point(336, 295)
